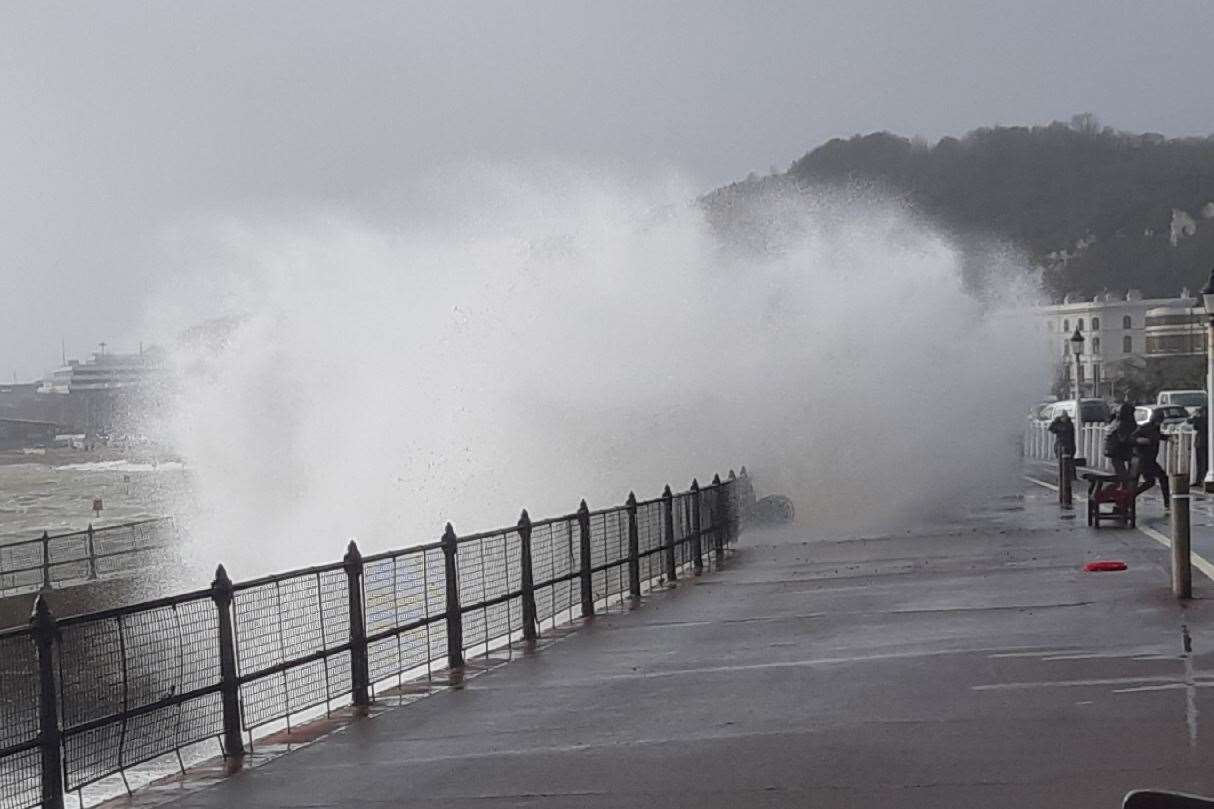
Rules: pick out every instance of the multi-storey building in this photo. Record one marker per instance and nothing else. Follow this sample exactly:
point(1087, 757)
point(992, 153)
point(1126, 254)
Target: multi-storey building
point(1122, 332)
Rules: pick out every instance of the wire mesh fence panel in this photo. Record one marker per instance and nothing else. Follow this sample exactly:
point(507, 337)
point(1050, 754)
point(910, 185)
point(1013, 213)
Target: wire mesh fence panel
point(682, 529)
point(708, 524)
point(69, 558)
point(609, 547)
point(470, 566)
point(20, 762)
point(554, 556)
point(129, 686)
point(394, 595)
point(649, 540)
point(489, 572)
point(436, 602)
point(21, 566)
point(298, 626)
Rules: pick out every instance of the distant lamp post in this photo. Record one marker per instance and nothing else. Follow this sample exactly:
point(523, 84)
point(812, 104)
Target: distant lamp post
point(1207, 300)
point(1077, 351)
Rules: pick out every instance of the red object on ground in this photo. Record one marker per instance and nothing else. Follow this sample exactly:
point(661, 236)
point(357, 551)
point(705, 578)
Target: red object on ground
point(1100, 567)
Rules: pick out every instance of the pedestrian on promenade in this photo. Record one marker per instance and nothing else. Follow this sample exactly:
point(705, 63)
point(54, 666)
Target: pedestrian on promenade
point(1199, 422)
point(1146, 448)
point(1063, 430)
point(1119, 443)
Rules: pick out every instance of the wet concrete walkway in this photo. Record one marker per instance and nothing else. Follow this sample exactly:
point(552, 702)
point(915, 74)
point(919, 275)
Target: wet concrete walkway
point(975, 666)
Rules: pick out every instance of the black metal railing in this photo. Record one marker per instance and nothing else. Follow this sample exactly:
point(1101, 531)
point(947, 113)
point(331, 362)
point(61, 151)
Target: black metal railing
point(94, 695)
point(54, 561)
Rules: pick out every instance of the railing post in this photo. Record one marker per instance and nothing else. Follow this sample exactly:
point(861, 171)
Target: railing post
point(634, 549)
point(360, 676)
point(455, 616)
point(1182, 564)
point(697, 547)
point(222, 593)
point(718, 519)
point(732, 519)
point(668, 530)
point(583, 522)
point(45, 630)
point(528, 578)
point(46, 562)
point(1064, 480)
point(92, 553)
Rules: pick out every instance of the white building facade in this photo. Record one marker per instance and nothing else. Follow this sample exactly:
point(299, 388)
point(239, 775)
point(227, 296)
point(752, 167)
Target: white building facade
point(1122, 332)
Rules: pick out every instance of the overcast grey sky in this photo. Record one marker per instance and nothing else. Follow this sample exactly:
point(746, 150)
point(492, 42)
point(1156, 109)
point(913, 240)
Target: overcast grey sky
point(120, 117)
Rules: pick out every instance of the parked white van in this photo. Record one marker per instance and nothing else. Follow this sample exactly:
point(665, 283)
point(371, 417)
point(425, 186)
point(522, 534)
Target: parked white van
point(1188, 399)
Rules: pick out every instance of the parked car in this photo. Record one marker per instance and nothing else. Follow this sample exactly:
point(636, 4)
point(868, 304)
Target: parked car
point(1172, 413)
point(1094, 410)
point(1037, 412)
point(1188, 399)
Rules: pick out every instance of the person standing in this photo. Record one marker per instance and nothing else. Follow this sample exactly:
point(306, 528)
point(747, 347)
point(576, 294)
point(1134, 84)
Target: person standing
point(1146, 448)
point(1063, 430)
point(1119, 443)
point(1199, 421)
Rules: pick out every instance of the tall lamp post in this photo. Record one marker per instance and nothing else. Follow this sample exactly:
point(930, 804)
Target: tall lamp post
point(1077, 351)
point(1207, 300)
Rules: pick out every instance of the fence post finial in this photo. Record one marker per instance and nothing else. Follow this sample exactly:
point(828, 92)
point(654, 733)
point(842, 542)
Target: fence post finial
point(530, 629)
point(360, 676)
point(697, 541)
point(455, 615)
point(668, 544)
point(585, 563)
point(716, 480)
point(732, 476)
point(45, 630)
point(223, 593)
point(634, 549)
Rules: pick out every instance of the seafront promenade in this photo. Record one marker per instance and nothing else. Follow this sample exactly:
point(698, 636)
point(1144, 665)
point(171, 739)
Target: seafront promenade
point(969, 664)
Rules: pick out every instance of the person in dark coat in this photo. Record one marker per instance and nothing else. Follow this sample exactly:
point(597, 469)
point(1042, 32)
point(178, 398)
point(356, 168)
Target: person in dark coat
point(1063, 430)
point(1119, 443)
point(1199, 422)
point(1146, 449)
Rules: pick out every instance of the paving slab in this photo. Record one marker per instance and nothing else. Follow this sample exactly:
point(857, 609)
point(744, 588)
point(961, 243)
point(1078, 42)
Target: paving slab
point(968, 665)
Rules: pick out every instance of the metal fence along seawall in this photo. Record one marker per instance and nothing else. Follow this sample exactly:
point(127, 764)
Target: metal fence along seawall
point(96, 553)
point(90, 696)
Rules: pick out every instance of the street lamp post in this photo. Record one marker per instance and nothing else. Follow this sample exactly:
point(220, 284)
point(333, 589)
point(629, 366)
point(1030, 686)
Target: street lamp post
point(1207, 299)
point(1077, 351)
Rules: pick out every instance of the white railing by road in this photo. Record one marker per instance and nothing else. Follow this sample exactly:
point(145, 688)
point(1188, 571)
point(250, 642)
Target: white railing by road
point(1176, 456)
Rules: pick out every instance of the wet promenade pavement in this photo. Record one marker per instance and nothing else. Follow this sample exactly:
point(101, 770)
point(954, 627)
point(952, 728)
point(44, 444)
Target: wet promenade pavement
point(973, 666)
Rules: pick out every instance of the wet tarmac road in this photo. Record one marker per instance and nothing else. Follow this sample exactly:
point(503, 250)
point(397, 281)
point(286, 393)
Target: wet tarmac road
point(970, 666)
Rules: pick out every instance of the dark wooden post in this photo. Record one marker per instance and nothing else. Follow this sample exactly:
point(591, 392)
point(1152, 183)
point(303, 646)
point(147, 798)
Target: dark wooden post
point(455, 616)
point(222, 594)
point(360, 675)
point(583, 522)
point(46, 561)
point(528, 578)
point(697, 549)
point(46, 630)
point(668, 530)
point(634, 549)
point(719, 517)
point(92, 553)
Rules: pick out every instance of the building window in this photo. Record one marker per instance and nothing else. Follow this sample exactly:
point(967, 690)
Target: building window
point(1079, 324)
point(1080, 374)
point(1095, 345)
point(1066, 325)
point(1127, 323)
point(1127, 343)
point(1095, 324)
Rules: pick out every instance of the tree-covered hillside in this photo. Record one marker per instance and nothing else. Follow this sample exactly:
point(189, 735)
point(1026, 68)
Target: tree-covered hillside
point(1096, 208)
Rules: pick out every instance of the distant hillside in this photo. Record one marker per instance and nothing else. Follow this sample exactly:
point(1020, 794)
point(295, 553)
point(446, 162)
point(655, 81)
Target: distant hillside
point(1095, 208)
